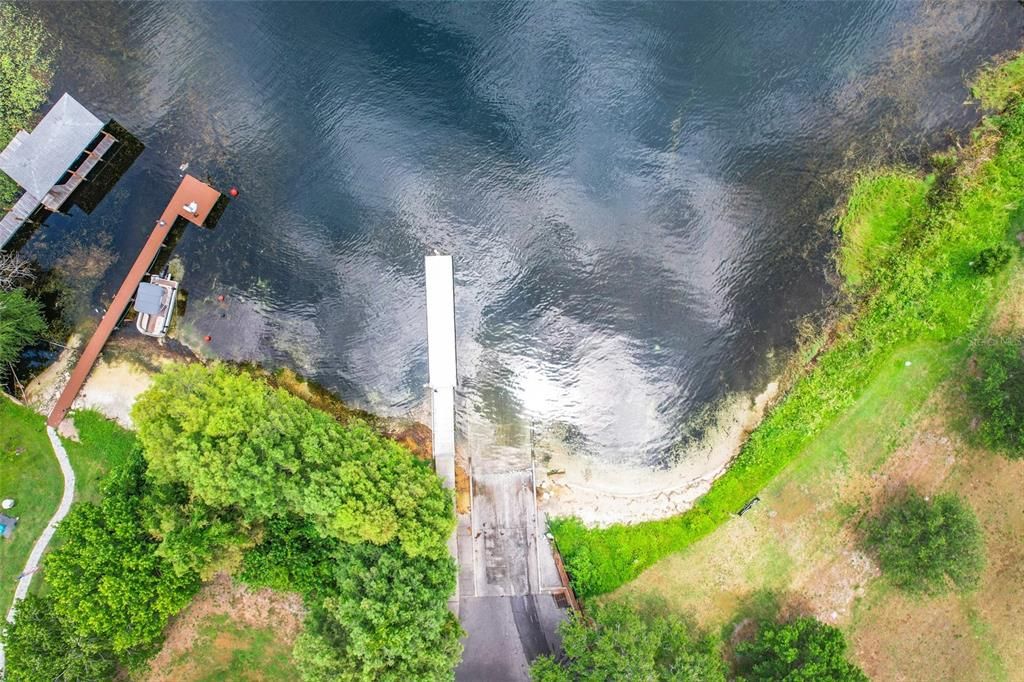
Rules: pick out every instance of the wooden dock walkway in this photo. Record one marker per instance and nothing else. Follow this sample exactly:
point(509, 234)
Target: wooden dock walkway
point(17, 216)
point(190, 191)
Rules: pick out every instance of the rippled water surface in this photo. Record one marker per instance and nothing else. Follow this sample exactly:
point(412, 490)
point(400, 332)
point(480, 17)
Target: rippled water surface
point(635, 195)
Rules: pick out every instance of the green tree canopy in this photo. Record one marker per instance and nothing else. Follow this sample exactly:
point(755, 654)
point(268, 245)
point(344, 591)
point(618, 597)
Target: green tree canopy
point(996, 392)
point(923, 545)
point(804, 650)
point(107, 581)
point(292, 556)
point(388, 620)
point(194, 537)
point(21, 323)
point(40, 649)
point(237, 442)
point(622, 645)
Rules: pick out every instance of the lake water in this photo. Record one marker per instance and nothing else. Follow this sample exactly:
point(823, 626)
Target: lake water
point(636, 196)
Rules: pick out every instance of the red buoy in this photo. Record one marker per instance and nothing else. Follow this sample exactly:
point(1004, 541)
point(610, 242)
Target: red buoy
point(221, 298)
point(233, 191)
point(207, 338)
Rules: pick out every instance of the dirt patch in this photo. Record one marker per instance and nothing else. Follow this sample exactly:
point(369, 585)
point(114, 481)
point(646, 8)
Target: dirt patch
point(1009, 313)
point(261, 608)
point(416, 437)
point(916, 640)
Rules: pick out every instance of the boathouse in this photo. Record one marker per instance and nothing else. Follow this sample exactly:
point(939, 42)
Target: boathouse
point(52, 161)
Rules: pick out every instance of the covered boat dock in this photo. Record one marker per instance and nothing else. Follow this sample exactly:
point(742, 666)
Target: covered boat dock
point(52, 161)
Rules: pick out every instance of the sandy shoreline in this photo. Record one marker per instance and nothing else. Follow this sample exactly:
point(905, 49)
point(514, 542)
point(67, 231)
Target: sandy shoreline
point(602, 494)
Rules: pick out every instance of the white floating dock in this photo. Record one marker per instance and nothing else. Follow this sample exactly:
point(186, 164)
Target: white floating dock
point(441, 362)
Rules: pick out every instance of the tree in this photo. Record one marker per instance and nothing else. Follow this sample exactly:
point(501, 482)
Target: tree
point(292, 556)
point(237, 442)
point(14, 269)
point(194, 537)
point(388, 620)
point(924, 545)
point(107, 581)
point(623, 645)
point(40, 649)
point(21, 323)
point(996, 392)
point(803, 650)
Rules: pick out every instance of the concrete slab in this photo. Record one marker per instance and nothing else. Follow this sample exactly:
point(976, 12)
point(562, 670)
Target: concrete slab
point(505, 634)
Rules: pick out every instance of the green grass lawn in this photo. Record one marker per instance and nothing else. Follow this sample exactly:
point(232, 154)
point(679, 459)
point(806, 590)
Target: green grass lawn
point(103, 444)
point(28, 473)
point(226, 651)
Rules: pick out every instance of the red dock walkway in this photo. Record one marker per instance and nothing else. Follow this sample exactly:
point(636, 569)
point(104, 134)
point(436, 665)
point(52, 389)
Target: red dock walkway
point(192, 201)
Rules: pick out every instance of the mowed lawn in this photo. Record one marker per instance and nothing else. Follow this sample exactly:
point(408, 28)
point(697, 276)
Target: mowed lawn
point(28, 473)
point(798, 551)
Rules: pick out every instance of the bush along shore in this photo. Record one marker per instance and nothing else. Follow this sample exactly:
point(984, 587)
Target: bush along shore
point(923, 258)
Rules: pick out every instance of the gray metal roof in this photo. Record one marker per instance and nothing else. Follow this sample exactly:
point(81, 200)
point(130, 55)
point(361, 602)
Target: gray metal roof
point(36, 160)
point(148, 298)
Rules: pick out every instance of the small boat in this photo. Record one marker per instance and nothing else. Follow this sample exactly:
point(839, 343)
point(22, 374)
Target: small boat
point(154, 303)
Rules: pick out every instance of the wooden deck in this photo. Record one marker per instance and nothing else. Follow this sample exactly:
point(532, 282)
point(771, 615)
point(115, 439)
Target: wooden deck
point(57, 196)
point(190, 190)
point(17, 216)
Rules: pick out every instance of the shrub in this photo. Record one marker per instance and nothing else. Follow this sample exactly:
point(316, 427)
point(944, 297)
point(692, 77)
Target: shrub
point(237, 442)
point(388, 620)
point(21, 323)
point(996, 393)
point(923, 546)
point(992, 259)
point(292, 556)
point(622, 645)
point(804, 650)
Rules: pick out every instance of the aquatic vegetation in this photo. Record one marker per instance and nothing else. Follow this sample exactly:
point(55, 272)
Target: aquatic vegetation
point(26, 66)
point(925, 291)
point(880, 211)
point(996, 87)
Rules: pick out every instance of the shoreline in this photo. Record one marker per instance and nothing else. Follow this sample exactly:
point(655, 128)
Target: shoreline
point(602, 494)
point(598, 493)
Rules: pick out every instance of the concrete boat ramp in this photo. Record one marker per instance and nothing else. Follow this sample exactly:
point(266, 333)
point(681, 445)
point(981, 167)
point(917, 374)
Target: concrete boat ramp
point(510, 598)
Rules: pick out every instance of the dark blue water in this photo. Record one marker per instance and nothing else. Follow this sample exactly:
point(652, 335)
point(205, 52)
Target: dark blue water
point(636, 196)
